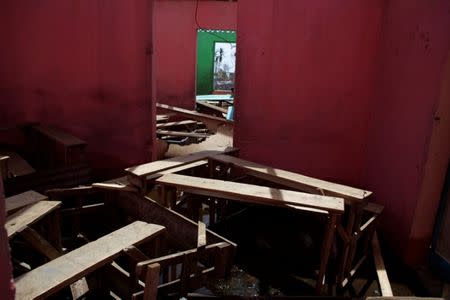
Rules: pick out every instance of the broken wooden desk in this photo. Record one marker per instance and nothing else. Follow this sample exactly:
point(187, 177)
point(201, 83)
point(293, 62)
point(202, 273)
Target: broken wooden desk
point(247, 193)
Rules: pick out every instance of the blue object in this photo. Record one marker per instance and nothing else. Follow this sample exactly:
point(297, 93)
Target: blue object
point(230, 113)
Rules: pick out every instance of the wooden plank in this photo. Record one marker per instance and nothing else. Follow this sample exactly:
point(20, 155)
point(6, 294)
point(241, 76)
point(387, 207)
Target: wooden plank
point(212, 106)
point(114, 187)
point(181, 133)
point(295, 180)
point(176, 124)
point(28, 215)
point(23, 199)
point(252, 193)
point(59, 135)
point(192, 114)
point(383, 279)
point(60, 272)
point(162, 165)
point(162, 118)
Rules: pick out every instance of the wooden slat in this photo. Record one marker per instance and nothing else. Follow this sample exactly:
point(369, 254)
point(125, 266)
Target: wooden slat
point(162, 118)
point(28, 215)
point(60, 272)
point(192, 114)
point(114, 187)
point(151, 282)
point(181, 133)
point(162, 165)
point(295, 180)
point(176, 124)
point(252, 193)
point(383, 280)
point(23, 199)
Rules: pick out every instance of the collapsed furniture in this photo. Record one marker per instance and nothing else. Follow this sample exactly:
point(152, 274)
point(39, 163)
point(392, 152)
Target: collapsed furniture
point(218, 179)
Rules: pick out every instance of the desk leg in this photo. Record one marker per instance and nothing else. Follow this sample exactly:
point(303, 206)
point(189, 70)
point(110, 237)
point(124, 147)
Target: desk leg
point(54, 229)
point(325, 252)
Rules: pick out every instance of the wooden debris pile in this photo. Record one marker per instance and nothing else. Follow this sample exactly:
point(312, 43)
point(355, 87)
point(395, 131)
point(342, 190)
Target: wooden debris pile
point(145, 235)
point(183, 127)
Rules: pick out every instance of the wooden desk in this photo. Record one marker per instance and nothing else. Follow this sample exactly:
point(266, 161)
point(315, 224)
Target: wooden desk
point(265, 196)
point(137, 175)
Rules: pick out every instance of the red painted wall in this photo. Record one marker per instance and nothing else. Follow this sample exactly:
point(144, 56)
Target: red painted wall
point(6, 283)
point(305, 72)
point(414, 48)
point(176, 43)
point(84, 66)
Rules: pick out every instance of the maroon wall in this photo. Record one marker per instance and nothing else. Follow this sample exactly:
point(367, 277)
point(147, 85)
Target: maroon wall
point(305, 72)
point(414, 48)
point(84, 66)
point(176, 43)
point(6, 283)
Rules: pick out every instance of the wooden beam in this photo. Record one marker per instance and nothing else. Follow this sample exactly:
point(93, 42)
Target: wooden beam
point(253, 193)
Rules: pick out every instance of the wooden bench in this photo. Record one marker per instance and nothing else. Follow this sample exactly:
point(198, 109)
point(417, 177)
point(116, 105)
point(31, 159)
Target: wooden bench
point(264, 196)
point(64, 270)
point(18, 201)
point(137, 175)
